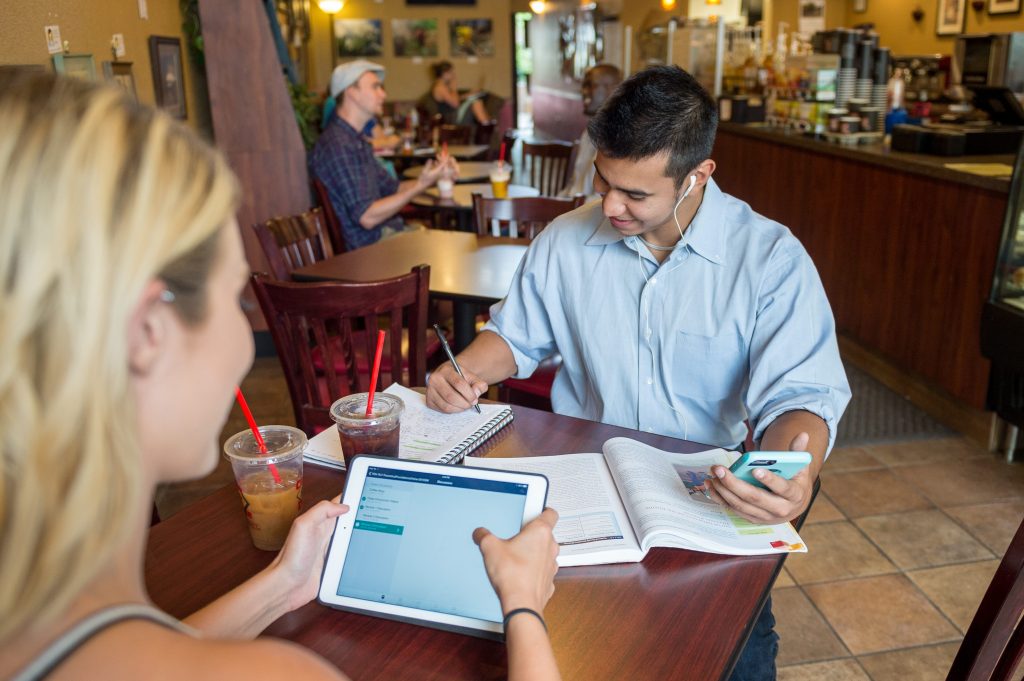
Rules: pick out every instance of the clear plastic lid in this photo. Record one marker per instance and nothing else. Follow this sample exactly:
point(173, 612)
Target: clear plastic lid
point(351, 409)
point(283, 444)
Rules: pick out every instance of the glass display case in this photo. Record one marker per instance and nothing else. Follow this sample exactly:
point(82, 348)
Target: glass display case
point(1002, 323)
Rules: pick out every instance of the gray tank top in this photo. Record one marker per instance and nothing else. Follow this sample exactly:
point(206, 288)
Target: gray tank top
point(71, 640)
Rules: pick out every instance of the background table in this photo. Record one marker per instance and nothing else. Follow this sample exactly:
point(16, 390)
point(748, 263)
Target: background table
point(468, 270)
point(469, 171)
point(677, 615)
point(460, 206)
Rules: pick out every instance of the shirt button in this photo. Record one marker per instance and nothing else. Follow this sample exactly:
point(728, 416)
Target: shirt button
point(650, 381)
point(654, 280)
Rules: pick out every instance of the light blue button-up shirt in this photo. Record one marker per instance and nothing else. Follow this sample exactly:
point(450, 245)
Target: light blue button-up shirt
point(733, 325)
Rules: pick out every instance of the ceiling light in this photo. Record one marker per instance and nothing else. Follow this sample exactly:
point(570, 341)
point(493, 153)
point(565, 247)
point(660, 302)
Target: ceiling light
point(330, 6)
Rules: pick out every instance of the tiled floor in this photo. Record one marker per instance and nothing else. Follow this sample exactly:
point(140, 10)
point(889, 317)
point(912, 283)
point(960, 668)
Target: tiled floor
point(904, 538)
point(903, 541)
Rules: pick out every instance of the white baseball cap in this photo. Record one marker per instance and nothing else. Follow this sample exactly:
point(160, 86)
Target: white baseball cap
point(348, 73)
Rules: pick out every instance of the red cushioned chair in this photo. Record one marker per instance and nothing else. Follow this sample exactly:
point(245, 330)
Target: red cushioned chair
point(306, 319)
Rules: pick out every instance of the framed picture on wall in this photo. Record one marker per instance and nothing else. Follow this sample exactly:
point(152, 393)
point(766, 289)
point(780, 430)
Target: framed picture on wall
point(471, 37)
point(1003, 6)
point(168, 74)
point(358, 38)
point(120, 73)
point(860, 6)
point(75, 65)
point(950, 17)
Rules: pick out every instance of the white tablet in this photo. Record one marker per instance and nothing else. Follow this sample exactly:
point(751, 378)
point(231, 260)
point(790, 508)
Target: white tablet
point(405, 550)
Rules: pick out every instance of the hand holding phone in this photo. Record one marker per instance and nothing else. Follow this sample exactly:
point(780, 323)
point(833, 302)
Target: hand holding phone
point(783, 464)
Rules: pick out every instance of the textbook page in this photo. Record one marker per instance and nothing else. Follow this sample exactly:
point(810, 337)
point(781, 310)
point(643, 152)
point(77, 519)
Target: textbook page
point(593, 527)
point(663, 495)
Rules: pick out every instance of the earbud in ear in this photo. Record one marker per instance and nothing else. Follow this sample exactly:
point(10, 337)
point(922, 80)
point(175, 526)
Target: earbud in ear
point(693, 181)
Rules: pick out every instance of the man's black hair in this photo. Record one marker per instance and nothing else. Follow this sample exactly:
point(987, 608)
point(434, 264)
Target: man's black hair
point(662, 108)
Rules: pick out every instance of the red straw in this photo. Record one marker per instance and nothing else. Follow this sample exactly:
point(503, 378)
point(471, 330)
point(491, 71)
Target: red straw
point(501, 153)
point(255, 431)
point(444, 148)
point(376, 371)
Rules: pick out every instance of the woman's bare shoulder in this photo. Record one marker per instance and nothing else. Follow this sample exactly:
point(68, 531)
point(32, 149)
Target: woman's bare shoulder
point(269, 659)
point(145, 650)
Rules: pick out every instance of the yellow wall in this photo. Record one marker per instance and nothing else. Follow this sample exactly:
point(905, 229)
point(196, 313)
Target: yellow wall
point(898, 30)
point(88, 26)
point(407, 78)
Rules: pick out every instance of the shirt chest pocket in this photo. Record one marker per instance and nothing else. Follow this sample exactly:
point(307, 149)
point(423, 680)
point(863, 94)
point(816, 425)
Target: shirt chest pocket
point(708, 368)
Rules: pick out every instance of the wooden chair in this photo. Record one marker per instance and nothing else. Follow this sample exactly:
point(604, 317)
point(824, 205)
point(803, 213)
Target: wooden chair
point(525, 218)
point(548, 165)
point(294, 241)
point(484, 132)
point(522, 218)
point(310, 320)
point(994, 643)
point(455, 134)
point(330, 217)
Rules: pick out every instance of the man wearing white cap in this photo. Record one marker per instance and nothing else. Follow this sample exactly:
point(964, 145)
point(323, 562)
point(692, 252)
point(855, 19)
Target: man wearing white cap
point(366, 198)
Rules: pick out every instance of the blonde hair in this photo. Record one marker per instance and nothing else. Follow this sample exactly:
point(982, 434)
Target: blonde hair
point(98, 197)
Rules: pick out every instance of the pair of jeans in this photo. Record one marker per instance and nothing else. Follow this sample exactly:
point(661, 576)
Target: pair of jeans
point(757, 659)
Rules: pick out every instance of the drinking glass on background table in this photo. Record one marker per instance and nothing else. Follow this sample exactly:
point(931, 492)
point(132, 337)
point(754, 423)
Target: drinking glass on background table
point(500, 173)
point(271, 501)
point(377, 434)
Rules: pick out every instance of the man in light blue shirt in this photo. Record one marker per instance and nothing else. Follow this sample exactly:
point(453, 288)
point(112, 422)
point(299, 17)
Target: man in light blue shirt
point(676, 309)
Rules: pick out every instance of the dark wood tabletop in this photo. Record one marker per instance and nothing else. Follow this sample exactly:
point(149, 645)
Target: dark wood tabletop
point(677, 615)
point(462, 195)
point(463, 266)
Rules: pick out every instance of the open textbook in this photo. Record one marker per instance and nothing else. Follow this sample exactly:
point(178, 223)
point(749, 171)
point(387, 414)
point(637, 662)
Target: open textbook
point(614, 506)
point(426, 435)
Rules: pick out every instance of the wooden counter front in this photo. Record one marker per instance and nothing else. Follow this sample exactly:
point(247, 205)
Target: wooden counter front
point(906, 255)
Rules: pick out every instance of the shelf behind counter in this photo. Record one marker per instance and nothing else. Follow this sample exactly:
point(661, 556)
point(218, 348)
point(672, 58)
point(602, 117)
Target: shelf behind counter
point(905, 247)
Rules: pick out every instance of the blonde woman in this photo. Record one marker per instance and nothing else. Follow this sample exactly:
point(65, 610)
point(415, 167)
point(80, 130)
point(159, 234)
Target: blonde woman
point(121, 340)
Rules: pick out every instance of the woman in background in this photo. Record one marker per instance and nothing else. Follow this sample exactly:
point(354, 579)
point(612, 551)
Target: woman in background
point(443, 98)
point(121, 341)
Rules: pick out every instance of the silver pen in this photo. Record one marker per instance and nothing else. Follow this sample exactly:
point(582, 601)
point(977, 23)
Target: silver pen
point(451, 358)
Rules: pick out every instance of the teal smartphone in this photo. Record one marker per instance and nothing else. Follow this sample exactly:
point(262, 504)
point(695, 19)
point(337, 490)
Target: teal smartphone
point(784, 464)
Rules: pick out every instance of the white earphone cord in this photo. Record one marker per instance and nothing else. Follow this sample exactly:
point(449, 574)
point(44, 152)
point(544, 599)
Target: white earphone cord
point(646, 309)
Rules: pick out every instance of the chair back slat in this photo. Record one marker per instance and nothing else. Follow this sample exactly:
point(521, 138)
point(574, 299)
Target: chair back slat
point(331, 223)
point(548, 165)
point(326, 337)
point(293, 241)
point(994, 643)
point(522, 218)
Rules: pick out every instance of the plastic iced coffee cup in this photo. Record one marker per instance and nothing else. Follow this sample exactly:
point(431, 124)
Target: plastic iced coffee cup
point(377, 434)
point(270, 502)
point(501, 173)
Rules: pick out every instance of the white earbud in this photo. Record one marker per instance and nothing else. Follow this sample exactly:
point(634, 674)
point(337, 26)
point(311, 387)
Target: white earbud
point(693, 181)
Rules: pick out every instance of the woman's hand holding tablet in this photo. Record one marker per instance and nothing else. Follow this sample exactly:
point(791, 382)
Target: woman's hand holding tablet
point(408, 552)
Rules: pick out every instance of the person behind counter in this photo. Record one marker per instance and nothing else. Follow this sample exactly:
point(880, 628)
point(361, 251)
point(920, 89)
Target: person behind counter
point(122, 342)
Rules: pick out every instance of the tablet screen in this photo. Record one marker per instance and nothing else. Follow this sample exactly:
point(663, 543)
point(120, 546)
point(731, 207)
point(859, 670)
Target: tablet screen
point(412, 540)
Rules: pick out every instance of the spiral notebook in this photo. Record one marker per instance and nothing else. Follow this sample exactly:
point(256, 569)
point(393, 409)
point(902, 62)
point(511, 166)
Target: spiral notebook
point(426, 435)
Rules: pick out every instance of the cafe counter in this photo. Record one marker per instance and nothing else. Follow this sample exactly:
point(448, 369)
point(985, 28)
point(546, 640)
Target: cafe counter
point(905, 247)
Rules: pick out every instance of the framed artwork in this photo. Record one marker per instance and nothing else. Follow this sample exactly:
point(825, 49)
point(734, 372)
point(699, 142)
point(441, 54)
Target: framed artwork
point(75, 66)
point(120, 73)
point(471, 37)
point(414, 37)
point(860, 6)
point(358, 38)
point(949, 19)
point(168, 74)
point(1003, 6)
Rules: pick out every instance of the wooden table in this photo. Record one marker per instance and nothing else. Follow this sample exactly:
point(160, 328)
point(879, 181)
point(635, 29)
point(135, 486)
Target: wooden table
point(460, 205)
point(466, 269)
point(459, 151)
point(677, 615)
point(470, 171)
